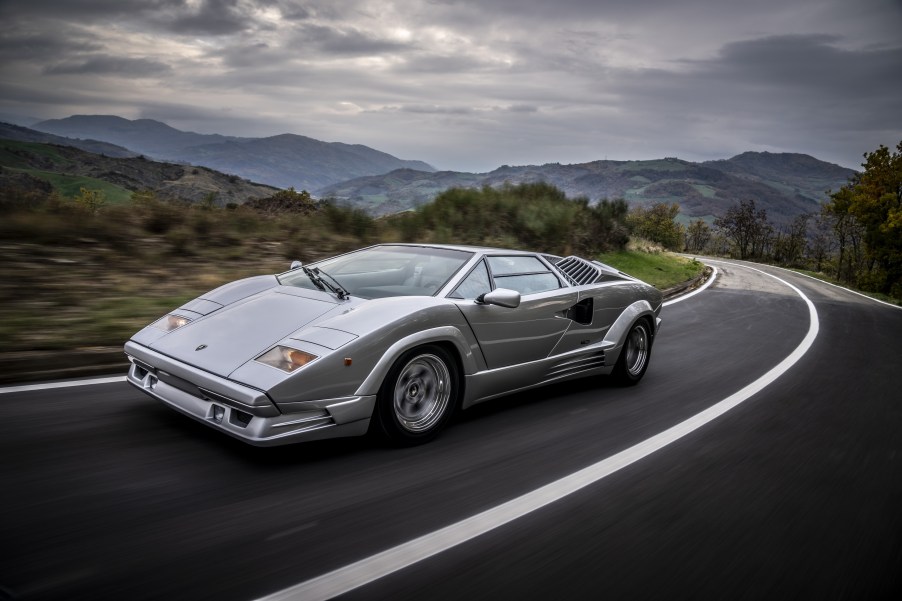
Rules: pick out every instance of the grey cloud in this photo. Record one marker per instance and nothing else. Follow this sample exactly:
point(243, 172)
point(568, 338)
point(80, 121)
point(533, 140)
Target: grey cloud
point(438, 64)
point(815, 61)
point(242, 55)
point(348, 41)
point(798, 93)
point(87, 10)
point(110, 65)
point(41, 46)
point(56, 101)
point(811, 77)
point(211, 17)
point(432, 109)
point(521, 108)
point(502, 80)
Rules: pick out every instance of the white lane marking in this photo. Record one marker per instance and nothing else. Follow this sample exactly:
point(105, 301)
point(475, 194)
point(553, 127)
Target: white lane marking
point(696, 291)
point(65, 384)
point(810, 277)
point(372, 568)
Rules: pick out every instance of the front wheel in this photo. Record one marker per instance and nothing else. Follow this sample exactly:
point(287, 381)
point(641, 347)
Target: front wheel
point(418, 396)
point(635, 355)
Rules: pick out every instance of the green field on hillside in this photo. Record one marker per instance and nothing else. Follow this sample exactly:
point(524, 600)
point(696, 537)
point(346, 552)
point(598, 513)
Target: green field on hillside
point(70, 186)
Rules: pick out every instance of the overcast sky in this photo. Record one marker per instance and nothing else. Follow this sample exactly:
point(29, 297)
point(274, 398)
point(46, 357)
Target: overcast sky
point(471, 85)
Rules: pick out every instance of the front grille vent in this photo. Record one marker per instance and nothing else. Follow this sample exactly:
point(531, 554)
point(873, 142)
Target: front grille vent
point(579, 271)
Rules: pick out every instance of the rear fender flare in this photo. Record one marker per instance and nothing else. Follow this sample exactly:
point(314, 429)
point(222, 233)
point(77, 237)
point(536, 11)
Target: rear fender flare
point(619, 329)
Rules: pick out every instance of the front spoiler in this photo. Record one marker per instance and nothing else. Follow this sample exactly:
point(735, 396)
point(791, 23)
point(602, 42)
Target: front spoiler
point(240, 411)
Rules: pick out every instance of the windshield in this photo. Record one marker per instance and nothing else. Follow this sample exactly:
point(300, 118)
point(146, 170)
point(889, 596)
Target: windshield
point(387, 271)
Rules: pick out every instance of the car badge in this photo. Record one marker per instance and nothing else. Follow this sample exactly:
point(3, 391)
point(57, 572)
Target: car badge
point(201, 347)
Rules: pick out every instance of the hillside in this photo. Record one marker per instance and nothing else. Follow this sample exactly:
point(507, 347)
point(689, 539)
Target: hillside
point(295, 161)
point(285, 160)
point(145, 136)
point(784, 184)
point(33, 165)
point(9, 131)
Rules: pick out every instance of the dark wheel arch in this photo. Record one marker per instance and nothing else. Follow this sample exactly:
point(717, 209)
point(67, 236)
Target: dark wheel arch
point(418, 396)
point(635, 355)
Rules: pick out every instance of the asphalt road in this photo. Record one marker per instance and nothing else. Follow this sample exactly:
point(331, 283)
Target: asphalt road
point(795, 493)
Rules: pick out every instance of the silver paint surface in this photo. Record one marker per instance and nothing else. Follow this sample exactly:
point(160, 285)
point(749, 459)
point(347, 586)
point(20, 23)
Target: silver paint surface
point(499, 350)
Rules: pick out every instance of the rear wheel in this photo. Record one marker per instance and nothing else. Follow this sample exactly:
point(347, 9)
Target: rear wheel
point(418, 396)
point(635, 355)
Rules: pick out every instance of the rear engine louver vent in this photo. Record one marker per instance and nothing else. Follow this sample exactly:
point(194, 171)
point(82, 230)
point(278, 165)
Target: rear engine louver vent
point(579, 271)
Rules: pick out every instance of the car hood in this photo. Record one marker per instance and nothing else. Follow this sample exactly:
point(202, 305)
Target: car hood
point(230, 337)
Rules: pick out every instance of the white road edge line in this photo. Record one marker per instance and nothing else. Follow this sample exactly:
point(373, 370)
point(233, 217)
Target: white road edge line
point(696, 291)
point(372, 568)
point(66, 384)
point(804, 275)
point(855, 292)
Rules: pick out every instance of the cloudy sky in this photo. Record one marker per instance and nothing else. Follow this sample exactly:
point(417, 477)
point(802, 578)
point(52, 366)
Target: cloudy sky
point(473, 84)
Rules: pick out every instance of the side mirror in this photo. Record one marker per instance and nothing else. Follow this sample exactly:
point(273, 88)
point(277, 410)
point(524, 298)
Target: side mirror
point(501, 297)
point(296, 265)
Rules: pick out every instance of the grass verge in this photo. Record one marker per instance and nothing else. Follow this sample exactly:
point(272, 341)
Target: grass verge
point(661, 270)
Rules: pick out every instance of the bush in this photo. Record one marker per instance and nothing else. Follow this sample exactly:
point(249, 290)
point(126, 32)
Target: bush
point(535, 216)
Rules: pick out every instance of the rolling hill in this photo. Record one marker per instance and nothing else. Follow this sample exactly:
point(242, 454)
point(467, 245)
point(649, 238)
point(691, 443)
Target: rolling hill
point(785, 184)
point(286, 160)
point(9, 131)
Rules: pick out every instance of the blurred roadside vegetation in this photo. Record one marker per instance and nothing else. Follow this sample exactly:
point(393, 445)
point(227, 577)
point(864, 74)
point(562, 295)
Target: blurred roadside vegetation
point(82, 271)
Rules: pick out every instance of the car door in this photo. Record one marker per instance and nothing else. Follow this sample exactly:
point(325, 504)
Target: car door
point(510, 336)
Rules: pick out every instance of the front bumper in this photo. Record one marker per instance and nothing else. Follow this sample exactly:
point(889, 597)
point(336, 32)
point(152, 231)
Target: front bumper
point(241, 411)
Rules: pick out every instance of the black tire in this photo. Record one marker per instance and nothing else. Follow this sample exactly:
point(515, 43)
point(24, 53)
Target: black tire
point(635, 354)
point(417, 397)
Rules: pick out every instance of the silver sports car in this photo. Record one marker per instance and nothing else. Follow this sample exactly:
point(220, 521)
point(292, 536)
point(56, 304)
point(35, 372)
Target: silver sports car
point(391, 339)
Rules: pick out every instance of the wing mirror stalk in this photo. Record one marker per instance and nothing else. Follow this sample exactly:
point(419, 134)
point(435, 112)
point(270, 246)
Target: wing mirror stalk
point(501, 297)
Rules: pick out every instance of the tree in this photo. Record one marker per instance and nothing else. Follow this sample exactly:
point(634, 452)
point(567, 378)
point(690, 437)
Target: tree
point(657, 223)
point(698, 234)
point(536, 215)
point(821, 242)
point(868, 212)
point(790, 243)
point(747, 228)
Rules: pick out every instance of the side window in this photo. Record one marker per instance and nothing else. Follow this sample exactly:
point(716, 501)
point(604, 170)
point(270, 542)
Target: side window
point(525, 274)
point(529, 283)
point(474, 284)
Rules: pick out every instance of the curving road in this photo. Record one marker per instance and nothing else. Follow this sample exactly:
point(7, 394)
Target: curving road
point(794, 493)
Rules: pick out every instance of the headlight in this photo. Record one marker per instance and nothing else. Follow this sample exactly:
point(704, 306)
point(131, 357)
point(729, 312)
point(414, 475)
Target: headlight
point(285, 358)
point(170, 322)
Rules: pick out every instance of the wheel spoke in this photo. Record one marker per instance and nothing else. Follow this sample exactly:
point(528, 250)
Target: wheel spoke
point(421, 394)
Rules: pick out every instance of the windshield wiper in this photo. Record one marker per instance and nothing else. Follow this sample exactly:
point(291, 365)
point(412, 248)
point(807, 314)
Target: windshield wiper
point(339, 291)
point(317, 281)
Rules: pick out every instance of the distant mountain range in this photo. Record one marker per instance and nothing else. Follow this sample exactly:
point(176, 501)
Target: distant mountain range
point(286, 160)
point(784, 184)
